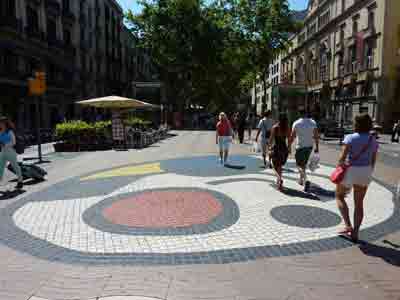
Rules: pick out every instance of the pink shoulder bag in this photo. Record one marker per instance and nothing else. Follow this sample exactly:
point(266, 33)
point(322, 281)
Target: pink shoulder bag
point(338, 174)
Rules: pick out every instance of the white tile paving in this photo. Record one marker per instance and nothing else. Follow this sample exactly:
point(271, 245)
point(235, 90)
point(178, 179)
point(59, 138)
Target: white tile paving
point(60, 222)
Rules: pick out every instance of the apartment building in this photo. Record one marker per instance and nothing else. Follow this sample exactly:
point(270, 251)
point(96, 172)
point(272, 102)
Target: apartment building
point(346, 60)
point(82, 45)
point(262, 96)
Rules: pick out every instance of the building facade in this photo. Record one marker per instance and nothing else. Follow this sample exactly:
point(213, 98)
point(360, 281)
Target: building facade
point(82, 45)
point(262, 98)
point(346, 60)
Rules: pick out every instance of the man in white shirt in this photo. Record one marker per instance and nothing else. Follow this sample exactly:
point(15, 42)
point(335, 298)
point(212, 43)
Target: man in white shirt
point(305, 130)
point(264, 127)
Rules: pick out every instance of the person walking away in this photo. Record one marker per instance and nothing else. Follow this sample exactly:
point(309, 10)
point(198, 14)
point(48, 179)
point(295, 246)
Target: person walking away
point(242, 127)
point(396, 131)
point(224, 135)
point(359, 152)
point(250, 124)
point(233, 122)
point(264, 128)
point(7, 151)
point(278, 148)
point(306, 132)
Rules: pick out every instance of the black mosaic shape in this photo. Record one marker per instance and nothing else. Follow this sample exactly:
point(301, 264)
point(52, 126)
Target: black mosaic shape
point(305, 216)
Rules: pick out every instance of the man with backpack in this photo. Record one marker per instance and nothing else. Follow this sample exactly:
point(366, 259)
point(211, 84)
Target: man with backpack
point(264, 128)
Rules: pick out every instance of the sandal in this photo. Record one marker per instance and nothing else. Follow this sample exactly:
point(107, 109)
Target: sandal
point(346, 231)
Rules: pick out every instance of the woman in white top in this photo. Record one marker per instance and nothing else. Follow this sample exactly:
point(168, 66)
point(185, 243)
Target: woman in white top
point(7, 151)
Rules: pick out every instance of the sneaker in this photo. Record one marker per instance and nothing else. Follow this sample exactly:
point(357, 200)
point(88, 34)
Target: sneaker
point(19, 186)
point(307, 186)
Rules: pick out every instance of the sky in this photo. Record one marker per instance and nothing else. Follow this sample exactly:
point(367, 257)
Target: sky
point(132, 4)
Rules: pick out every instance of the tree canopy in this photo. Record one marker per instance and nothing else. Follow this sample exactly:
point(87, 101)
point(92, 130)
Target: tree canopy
point(209, 53)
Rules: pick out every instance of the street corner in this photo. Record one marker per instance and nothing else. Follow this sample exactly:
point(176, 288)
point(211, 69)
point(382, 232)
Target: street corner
point(188, 210)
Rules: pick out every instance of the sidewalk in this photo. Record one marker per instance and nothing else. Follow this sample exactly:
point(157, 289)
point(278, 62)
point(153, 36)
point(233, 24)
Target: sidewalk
point(169, 223)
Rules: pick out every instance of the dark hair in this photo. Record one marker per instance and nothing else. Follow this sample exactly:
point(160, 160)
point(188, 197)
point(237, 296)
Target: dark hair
point(363, 123)
point(283, 122)
point(267, 113)
point(8, 123)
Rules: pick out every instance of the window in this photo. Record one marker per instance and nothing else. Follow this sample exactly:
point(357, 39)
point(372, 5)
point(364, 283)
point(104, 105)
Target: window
point(324, 65)
point(369, 54)
point(353, 67)
point(371, 19)
point(312, 29)
point(340, 65)
point(324, 19)
point(67, 37)
point(342, 28)
point(355, 26)
point(32, 19)
point(51, 29)
point(7, 8)
point(66, 5)
point(302, 37)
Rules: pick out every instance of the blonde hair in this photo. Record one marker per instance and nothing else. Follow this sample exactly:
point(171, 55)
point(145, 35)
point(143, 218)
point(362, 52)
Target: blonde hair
point(222, 115)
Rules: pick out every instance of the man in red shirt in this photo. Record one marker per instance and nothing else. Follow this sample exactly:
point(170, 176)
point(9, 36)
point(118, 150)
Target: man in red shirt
point(224, 135)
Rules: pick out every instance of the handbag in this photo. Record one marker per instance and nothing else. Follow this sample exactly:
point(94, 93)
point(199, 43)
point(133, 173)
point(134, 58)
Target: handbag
point(339, 173)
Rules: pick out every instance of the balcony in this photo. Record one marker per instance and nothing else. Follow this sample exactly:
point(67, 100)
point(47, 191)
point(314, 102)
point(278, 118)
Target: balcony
point(53, 7)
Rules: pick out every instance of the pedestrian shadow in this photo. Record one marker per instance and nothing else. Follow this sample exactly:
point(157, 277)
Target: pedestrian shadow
point(300, 194)
point(236, 167)
point(6, 195)
point(320, 191)
point(389, 255)
point(391, 244)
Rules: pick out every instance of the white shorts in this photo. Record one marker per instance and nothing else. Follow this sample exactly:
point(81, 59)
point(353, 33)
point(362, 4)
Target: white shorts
point(224, 142)
point(357, 176)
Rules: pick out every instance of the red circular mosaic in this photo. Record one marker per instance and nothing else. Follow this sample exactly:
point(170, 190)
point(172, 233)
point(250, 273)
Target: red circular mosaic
point(158, 209)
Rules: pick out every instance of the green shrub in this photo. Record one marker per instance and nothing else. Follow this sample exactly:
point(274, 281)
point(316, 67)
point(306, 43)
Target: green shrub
point(136, 122)
point(73, 131)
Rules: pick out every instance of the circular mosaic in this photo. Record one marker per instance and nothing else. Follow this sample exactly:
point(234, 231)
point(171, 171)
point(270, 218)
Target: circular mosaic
point(187, 211)
point(305, 216)
point(163, 209)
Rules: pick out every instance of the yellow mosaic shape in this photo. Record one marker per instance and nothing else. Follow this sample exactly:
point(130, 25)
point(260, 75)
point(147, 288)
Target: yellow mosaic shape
point(127, 171)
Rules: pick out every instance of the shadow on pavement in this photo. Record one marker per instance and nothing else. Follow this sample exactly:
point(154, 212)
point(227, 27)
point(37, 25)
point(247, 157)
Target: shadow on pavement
point(389, 255)
point(10, 194)
point(391, 244)
point(296, 193)
point(236, 167)
point(320, 191)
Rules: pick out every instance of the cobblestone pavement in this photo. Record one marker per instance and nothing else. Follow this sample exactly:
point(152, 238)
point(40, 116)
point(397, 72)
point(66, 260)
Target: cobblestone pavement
point(169, 222)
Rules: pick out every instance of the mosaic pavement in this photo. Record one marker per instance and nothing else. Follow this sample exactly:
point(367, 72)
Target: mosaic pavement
point(186, 211)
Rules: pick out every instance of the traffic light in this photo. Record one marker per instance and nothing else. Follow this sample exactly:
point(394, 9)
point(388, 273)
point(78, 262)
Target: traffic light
point(37, 85)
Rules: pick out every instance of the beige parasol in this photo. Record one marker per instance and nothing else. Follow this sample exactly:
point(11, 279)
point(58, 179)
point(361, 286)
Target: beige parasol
point(116, 102)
